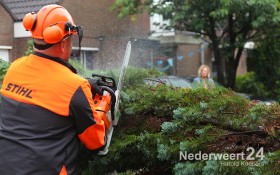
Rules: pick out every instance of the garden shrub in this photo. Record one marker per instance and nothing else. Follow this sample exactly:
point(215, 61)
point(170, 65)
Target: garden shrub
point(248, 83)
point(3, 69)
point(158, 122)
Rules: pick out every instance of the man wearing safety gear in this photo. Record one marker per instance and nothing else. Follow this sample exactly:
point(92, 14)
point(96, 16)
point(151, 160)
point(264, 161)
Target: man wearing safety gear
point(47, 109)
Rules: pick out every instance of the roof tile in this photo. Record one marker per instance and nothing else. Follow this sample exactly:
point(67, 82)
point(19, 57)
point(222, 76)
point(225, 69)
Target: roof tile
point(18, 8)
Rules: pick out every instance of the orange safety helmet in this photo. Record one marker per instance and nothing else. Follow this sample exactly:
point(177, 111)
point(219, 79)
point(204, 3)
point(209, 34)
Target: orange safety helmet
point(52, 23)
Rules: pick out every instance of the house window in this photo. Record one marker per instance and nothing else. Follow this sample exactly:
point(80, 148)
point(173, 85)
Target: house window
point(164, 60)
point(4, 53)
point(86, 57)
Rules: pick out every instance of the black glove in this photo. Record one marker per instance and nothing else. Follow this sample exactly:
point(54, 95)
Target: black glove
point(95, 83)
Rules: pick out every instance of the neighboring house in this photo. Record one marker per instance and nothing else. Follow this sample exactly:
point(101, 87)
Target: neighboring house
point(187, 50)
point(105, 37)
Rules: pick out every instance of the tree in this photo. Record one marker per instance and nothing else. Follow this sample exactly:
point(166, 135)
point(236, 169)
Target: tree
point(227, 24)
point(265, 62)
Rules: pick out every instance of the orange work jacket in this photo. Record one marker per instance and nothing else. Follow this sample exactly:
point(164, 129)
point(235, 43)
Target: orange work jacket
point(47, 110)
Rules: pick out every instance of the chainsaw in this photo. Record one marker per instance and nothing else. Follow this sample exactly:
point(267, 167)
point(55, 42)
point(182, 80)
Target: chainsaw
point(111, 91)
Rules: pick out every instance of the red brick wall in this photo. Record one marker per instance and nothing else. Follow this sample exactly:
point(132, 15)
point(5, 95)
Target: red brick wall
point(6, 29)
point(191, 61)
point(20, 46)
point(242, 66)
point(98, 20)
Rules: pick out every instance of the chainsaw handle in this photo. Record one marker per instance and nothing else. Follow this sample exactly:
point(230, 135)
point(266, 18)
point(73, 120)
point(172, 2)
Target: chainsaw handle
point(113, 99)
point(106, 81)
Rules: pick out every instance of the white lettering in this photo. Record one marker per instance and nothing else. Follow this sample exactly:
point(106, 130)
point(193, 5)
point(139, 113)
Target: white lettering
point(184, 155)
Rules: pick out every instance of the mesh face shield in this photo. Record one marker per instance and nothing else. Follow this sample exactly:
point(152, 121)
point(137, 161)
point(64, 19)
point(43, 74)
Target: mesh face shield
point(79, 30)
point(77, 38)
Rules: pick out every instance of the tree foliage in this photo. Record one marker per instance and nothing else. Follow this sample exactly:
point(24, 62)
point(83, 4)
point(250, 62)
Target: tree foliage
point(248, 83)
point(227, 24)
point(29, 51)
point(265, 62)
point(3, 69)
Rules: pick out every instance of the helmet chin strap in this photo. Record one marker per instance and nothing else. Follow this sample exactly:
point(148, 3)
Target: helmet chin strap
point(42, 46)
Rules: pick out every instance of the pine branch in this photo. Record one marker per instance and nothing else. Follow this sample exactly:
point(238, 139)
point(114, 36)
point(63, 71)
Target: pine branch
point(224, 126)
point(243, 133)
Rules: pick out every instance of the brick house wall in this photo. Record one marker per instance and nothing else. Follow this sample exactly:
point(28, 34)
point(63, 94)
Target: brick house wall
point(242, 66)
point(20, 46)
point(99, 21)
point(6, 29)
point(191, 60)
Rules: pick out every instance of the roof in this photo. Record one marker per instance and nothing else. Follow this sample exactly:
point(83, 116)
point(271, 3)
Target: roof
point(19, 8)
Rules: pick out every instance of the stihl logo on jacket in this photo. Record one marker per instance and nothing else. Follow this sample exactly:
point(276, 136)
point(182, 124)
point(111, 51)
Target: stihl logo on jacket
point(20, 90)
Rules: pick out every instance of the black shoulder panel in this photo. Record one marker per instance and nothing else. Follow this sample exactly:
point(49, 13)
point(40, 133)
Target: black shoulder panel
point(81, 111)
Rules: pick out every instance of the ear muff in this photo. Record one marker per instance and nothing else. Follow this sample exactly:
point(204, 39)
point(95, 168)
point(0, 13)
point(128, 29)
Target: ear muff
point(29, 21)
point(53, 34)
point(56, 32)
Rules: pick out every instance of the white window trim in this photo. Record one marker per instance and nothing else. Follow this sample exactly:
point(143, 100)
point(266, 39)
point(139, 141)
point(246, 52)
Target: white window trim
point(6, 47)
point(86, 48)
point(19, 30)
point(6, 50)
point(82, 55)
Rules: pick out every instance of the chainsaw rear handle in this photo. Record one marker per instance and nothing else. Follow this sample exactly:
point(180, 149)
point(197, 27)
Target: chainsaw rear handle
point(107, 81)
point(113, 99)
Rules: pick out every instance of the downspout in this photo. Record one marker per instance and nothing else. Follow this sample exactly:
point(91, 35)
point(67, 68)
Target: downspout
point(202, 54)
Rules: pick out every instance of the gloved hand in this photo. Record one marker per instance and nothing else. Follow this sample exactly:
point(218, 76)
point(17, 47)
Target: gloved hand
point(95, 83)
